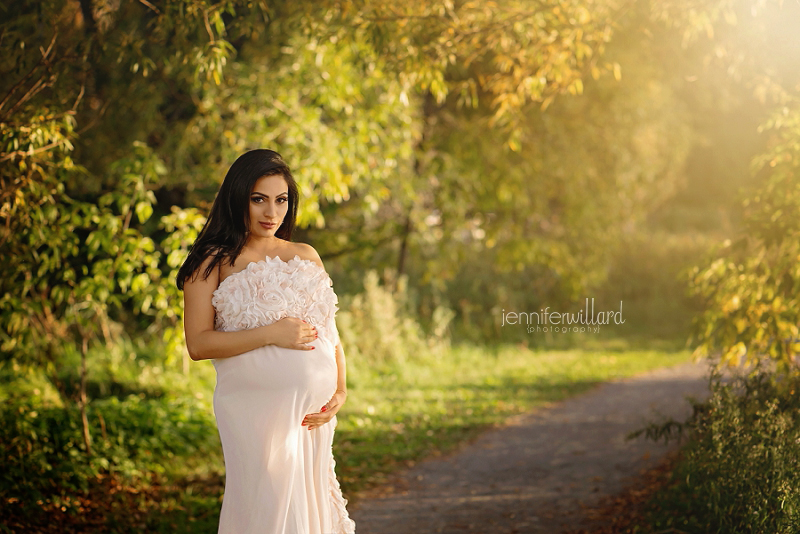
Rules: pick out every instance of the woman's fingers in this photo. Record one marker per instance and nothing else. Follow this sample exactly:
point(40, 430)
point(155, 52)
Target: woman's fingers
point(296, 333)
point(308, 333)
point(314, 420)
point(308, 329)
point(308, 338)
point(305, 335)
point(326, 413)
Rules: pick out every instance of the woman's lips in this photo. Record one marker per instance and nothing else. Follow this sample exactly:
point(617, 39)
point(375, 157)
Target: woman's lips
point(268, 226)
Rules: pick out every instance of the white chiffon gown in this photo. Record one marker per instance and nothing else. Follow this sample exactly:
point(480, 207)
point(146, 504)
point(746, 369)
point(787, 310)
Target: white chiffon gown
point(280, 476)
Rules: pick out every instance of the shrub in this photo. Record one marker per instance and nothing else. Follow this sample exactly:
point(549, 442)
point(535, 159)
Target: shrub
point(378, 328)
point(45, 459)
point(741, 470)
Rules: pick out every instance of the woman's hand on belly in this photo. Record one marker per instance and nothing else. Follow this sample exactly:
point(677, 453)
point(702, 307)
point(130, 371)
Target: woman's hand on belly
point(292, 333)
point(314, 420)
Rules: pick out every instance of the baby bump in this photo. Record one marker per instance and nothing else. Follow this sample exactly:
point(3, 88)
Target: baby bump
point(288, 373)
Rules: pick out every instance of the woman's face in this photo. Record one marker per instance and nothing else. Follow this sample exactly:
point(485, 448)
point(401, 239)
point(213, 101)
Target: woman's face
point(269, 202)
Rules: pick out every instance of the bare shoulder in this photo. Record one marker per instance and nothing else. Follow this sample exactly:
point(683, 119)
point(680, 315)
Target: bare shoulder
point(307, 252)
point(199, 275)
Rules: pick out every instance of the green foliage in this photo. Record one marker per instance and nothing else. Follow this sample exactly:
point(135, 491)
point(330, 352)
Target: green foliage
point(75, 263)
point(648, 274)
point(751, 284)
point(395, 118)
point(343, 122)
point(740, 471)
point(82, 267)
point(44, 458)
point(344, 85)
point(380, 332)
point(494, 221)
point(507, 53)
point(181, 227)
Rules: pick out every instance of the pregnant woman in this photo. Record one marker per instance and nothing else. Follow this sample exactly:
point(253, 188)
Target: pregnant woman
point(262, 308)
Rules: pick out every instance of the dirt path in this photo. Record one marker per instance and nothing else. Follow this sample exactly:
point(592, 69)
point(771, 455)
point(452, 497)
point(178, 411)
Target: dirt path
point(532, 475)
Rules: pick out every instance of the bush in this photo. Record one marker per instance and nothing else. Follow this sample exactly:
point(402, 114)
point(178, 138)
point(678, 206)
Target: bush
point(741, 470)
point(45, 459)
point(378, 328)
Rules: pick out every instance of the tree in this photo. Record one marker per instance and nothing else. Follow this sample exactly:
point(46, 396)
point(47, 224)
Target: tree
point(750, 285)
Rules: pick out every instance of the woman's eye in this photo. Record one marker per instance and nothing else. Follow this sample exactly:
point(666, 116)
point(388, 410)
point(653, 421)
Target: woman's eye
point(256, 199)
point(282, 200)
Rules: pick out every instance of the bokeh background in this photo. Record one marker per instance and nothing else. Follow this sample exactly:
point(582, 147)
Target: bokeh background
point(455, 160)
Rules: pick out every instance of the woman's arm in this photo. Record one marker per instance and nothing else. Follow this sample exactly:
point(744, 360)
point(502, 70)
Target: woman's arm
point(327, 412)
point(313, 420)
point(205, 343)
point(341, 366)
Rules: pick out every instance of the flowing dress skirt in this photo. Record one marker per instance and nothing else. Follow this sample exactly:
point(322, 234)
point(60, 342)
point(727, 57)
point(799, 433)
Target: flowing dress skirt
point(280, 475)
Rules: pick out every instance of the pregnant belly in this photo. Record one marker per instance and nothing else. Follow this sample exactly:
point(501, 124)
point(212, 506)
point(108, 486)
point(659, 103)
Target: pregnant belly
point(306, 378)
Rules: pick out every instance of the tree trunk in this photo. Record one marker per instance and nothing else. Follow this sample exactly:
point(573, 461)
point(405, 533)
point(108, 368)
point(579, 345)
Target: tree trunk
point(87, 438)
point(401, 257)
point(428, 109)
point(87, 10)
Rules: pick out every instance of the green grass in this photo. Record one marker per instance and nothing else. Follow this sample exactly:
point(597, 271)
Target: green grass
point(391, 420)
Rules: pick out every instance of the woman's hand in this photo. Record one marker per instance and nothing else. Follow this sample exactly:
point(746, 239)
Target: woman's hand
point(292, 333)
point(314, 420)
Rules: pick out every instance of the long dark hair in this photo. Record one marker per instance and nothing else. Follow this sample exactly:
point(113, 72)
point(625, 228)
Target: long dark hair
point(225, 231)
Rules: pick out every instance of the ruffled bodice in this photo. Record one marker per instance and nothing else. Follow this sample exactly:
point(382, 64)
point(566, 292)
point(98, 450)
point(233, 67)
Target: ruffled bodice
point(268, 290)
